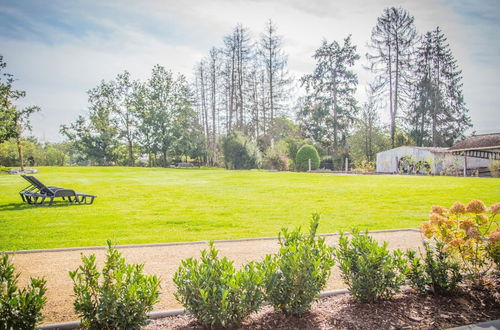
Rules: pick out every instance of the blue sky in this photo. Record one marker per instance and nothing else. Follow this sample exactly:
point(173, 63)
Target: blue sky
point(58, 50)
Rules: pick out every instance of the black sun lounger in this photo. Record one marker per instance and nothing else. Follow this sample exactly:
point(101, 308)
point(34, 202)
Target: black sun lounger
point(38, 194)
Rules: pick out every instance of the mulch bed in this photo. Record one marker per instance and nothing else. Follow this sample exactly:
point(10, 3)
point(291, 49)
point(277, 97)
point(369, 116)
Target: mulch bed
point(469, 304)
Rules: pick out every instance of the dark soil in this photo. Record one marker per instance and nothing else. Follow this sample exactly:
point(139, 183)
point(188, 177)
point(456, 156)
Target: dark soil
point(468, 304)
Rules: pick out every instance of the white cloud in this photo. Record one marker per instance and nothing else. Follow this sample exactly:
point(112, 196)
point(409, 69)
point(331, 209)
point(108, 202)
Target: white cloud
point(177, 34)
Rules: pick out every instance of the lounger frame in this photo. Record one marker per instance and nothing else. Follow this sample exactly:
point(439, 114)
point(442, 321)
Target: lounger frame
point(37, 193)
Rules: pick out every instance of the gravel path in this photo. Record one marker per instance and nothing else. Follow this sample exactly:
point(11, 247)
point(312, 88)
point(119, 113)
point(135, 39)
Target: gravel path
point(163, 261)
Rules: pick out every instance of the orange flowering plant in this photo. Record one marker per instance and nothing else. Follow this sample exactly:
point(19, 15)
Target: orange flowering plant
point(469, 232)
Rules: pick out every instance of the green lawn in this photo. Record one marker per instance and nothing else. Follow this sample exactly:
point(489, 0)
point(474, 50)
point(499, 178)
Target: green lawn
point(144, 205)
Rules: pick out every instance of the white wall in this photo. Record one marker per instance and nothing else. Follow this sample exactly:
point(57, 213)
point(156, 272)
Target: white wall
point(387, 160)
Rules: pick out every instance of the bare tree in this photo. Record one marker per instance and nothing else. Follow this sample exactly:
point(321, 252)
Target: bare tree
point(275, 62)
point(392, 47)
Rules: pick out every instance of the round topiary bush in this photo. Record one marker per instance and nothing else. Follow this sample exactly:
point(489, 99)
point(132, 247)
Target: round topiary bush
point(305, 153)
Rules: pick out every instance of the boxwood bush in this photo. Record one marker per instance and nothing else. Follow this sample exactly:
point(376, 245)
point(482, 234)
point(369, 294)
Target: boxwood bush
point(215, 293)
point(120, 298)
point(19, 308)
point(370, 271)
point(294, 276)
point(305, 153)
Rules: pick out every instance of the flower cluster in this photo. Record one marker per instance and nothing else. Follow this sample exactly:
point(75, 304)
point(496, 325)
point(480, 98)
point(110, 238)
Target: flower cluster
point(469, 232)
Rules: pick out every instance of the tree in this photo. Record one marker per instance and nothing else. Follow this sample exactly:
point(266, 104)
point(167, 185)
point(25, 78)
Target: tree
point(167, 117)
point(13, 121)
point(237, 54)
point(330, 107)
point(368, 137)
point(125, 94)
point(96, 138)
point(438, 116)
point(200, 88)
point(275, 61)
point(21, 119)
point(392, 50)
point(213, 65)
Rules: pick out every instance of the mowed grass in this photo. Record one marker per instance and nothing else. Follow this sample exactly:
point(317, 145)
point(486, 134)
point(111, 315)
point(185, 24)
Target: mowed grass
point(148, 205)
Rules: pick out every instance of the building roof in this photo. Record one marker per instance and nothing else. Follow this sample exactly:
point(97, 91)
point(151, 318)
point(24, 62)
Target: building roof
point(432, 149)
point(478, 142)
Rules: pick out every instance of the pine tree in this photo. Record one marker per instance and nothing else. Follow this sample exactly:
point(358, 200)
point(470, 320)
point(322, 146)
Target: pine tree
point(330, 106)
point(438, 116)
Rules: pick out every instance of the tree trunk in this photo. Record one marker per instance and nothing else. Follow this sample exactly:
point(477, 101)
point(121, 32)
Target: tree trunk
point(271, 96)
point(131, 161)
point(214, 152)
point(231, 94)
point(391, 109)
point(335, 119)
point(20, 152)
point(436, 109)
point(396, 91)
point(164, 158)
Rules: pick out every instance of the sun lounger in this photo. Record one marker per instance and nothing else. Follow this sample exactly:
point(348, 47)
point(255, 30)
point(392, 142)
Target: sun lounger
point(38, 193)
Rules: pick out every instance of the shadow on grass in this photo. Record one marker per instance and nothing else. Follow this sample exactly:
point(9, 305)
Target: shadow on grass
point(25, 206)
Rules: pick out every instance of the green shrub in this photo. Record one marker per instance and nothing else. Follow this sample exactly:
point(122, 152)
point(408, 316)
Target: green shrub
point(305, 153)
point(120, 300)
point(295, 275)
point(493, 250)
point(494, 168)
point(240, 153)
point(370, 271)
point(215, 293)
point(19, 308)
point(276, 158)
point(437, 273)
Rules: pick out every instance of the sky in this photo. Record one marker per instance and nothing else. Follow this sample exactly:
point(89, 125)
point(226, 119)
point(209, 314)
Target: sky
point(59, 49)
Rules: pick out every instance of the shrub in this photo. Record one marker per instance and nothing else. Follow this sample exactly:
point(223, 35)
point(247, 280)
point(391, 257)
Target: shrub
point(121, 300)
point(370, 271)
point(468, 233)
point(295, 275)
point(305, 153)
point(493, 247)
point(494, 168)
point(276, 158)
point(240, 153)
point(365, 166)
point(277, 161)
point(19, 308)
point(436, 273)
point(215, 293)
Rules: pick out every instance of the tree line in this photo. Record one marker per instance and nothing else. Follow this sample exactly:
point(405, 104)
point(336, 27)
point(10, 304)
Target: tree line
point(242, 91)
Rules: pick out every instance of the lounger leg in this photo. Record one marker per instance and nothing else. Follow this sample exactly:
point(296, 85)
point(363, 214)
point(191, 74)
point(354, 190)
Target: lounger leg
point(37, 202)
